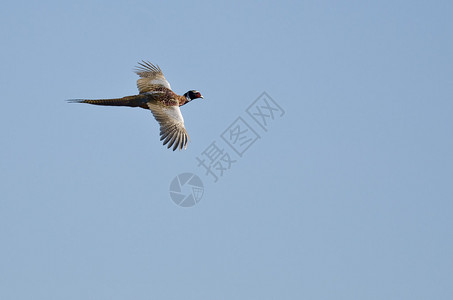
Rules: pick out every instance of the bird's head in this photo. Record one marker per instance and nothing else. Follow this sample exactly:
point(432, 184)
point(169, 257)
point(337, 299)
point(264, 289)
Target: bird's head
point(193, 94)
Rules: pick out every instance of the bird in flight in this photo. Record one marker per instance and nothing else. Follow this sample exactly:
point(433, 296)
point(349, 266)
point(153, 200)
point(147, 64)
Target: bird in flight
point(157, 96)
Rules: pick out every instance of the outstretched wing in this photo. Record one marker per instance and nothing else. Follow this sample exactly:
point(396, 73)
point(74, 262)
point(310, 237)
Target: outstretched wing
point(172, 130)
point(151, 77)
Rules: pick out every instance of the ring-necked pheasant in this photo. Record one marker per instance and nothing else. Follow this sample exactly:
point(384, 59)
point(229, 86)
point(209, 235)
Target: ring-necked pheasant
point(157, 96)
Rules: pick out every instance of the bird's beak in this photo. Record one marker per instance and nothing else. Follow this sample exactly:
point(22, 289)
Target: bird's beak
point(201, 97)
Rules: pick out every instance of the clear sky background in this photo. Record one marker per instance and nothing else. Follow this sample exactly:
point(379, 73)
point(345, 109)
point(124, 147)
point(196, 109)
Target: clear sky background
point(347, 196)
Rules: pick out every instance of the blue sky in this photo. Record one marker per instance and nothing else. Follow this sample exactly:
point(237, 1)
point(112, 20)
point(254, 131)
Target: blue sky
point(346, 196)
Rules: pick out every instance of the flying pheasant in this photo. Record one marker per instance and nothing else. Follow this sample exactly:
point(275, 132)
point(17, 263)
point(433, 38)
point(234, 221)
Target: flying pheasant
point(157, 96)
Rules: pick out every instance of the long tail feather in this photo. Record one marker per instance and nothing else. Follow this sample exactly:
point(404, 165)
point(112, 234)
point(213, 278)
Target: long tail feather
point(132, 101)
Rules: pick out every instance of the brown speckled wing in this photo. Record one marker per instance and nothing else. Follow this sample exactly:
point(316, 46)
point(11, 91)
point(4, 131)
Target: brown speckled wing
point(151, 77)
point(172, 130)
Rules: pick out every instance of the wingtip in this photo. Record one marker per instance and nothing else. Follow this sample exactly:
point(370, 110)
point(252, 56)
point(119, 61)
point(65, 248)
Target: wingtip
point(146, 66)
